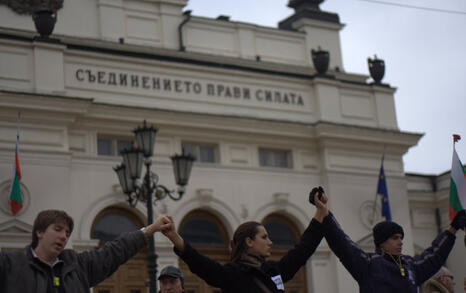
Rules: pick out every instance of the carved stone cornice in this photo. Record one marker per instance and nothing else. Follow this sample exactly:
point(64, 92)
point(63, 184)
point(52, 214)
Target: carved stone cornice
point(31, 6)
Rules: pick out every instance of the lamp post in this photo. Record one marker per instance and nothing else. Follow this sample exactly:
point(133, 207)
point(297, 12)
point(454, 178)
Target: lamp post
point(129, 173)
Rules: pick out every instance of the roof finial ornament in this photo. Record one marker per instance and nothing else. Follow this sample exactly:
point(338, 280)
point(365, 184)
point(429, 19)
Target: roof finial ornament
point(299, 5)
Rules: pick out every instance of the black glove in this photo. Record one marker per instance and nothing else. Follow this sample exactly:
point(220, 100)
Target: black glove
point(313, 192)
point(459, 222)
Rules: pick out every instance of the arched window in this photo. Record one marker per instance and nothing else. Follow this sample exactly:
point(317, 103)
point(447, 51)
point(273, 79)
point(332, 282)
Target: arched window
point(111, 222)
point(284, 235)
point(108, 225)
point(281, 230)
point(207, 233)
point(200, 227)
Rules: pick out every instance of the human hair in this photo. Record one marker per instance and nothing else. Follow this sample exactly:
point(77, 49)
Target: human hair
point(238, 244)
point(47, 218)
point(442, 272)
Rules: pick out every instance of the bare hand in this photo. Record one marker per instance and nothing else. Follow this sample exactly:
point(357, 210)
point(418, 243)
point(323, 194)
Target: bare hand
point(321, 203)
point(170, 232)
point(161, 223)
point(322, 209)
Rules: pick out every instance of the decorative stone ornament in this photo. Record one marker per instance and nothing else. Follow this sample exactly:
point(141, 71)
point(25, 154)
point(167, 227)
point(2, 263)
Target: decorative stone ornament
point(307, 9)
point(5, 207)
point(301, 4)
point(205, 195)
point(44, 22)
point(31, 6)
point(44, 13)
point(370, 213)
point(376, 69)
point(321, 60)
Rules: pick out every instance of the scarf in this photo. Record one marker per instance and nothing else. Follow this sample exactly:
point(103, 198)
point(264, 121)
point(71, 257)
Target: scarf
point(252, 260)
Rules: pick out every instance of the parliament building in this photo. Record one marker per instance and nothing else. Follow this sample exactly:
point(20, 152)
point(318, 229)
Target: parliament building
point(268, 113)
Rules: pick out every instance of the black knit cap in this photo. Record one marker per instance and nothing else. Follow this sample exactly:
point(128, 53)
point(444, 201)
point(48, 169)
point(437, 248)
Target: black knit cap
point(384, 230)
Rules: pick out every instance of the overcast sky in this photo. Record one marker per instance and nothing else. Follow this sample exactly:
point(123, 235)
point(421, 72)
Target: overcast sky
point(424, 53)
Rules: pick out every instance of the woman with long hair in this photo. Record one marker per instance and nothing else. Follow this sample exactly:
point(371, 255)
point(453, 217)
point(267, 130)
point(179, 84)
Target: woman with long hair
point(248, 270)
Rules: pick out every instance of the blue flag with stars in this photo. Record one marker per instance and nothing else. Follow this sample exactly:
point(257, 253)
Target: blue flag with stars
point(382, 191)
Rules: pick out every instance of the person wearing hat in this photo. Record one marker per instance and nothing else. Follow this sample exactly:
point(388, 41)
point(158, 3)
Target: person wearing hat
point(388, 270)
point(171, 280)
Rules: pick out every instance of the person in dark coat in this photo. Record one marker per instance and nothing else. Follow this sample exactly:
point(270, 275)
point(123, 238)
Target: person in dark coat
point(388, 270)
point(248, 270)
point(46, 266)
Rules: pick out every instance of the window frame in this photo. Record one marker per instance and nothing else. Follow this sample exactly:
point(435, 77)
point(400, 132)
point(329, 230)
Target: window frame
point(198, 145)
point(114, 143)
point(117, 211)
point(210, 218)
point(271, 151)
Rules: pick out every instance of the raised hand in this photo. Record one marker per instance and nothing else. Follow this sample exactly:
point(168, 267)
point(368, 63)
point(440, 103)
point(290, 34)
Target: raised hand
point(169, 231)
point(459, 222)
point(320, 200)
point(161, 223)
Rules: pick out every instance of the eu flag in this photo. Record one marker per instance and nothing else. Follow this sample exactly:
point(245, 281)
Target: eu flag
point(382, 191)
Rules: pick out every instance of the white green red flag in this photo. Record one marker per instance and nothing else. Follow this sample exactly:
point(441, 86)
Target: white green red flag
point(16, 198)
point(457, 183)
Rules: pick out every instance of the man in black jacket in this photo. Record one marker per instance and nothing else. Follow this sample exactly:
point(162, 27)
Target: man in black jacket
point(388, 270)
point(46, 266)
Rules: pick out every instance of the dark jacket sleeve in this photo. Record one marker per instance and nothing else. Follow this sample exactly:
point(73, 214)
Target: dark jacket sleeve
point(431, 260)
point(355, 260)
point(212, 272)
point(4, 265)
point(298, 256)
point(100, 263)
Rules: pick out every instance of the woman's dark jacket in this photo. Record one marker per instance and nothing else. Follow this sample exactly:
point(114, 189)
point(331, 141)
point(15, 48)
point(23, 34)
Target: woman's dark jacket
point(20, 272)
point(238, 277)
point(377, 272)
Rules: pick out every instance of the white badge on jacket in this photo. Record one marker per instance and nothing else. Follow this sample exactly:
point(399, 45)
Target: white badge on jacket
point(278, 282)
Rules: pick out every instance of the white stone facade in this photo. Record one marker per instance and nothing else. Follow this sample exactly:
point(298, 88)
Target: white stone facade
point(238, 86)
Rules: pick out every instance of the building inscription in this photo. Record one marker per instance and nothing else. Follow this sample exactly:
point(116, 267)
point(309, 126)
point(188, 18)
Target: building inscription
point(187, 87)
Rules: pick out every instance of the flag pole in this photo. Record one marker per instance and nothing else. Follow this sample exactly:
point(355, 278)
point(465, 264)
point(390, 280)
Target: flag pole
point(376, 189)
point(452, 200)
point(16, 202)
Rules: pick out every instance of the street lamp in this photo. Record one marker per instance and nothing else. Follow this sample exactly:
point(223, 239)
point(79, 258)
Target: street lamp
point(129, 173)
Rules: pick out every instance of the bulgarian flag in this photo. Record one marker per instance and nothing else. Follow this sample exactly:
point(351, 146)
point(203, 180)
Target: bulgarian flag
point(457, 183)
point(16, 199)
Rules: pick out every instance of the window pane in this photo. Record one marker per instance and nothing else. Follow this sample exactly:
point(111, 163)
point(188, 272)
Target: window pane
point(104, 147)
point(200, 230)
point(207, 154)
point(281, 159)
point(264, 158)
point(189, 149)
point(274, 158)
point(280, 234)
point(111, 226)
point(202, 152)
point(123, 144)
